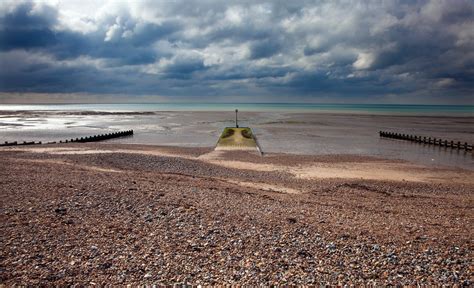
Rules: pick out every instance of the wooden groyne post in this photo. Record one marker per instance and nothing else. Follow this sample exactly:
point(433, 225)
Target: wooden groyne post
point(429, 141)
point(94, 138)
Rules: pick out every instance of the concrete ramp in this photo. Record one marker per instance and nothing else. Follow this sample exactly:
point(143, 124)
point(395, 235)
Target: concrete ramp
point(242, 138)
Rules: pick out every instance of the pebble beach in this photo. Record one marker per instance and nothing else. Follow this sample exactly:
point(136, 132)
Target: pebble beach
point(115, 214)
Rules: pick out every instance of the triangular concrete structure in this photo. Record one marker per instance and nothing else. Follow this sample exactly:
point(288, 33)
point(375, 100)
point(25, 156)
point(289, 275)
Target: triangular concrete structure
point(238, 138)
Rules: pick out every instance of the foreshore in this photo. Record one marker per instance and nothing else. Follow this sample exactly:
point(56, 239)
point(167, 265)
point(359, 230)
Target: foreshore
point(285, 132)
point(97, 214)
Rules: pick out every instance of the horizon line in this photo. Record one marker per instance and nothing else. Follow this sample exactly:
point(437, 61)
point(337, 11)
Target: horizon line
point(230, 103)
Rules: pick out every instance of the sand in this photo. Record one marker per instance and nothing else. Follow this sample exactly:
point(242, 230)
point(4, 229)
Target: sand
point(369, 169)
point(96, 214)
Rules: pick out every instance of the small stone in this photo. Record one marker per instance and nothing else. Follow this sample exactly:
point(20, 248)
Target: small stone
point(304, 253)
point(69, 222)
point(291, 220)
point(331, 246)
point(105, 265)
point(60, 211)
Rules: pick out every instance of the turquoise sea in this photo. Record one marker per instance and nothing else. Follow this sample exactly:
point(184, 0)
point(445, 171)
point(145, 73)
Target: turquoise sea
point(387, 109)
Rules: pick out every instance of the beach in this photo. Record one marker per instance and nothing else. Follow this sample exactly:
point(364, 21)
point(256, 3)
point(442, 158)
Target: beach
point(111, 213)
point(324, 201)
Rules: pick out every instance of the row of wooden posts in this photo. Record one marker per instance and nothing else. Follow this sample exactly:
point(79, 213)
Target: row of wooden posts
point(428, 140)
point(94, 138)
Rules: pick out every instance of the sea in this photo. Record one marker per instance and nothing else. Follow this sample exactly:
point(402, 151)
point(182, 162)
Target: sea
point(398, 109)
point(314, 129)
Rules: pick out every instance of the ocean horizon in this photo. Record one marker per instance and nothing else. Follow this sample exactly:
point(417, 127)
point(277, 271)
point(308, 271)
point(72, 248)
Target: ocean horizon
point(382, 109)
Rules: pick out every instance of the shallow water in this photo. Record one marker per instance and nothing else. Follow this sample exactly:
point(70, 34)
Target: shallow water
point(380, 109)
point(300, 133)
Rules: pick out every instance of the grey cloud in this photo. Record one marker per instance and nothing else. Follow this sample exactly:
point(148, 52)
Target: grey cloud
point(22, 29)
point(266, 48)
point(305, 48)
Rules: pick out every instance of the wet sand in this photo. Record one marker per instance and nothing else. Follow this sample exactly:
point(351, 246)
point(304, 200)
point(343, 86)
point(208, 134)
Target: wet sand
point(136, 214)
point(277, 132)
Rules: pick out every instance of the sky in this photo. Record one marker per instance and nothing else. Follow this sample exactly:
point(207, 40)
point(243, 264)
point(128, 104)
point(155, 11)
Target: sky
point(419, 52)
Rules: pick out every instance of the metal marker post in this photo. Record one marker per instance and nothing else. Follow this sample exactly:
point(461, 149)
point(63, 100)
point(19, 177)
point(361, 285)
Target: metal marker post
point(236, 121)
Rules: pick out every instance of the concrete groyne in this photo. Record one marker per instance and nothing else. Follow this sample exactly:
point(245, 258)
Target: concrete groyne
point(94, 138)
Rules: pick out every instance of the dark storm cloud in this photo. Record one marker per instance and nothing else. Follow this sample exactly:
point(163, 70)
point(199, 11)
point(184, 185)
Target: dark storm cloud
point(265, 49)
point(193, 48)
point(20, 29)
point(21, 18)
point(183, 68)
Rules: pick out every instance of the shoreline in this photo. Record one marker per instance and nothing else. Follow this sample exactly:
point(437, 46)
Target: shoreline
point(138, 214)
point(297, 133)
point(250, 112)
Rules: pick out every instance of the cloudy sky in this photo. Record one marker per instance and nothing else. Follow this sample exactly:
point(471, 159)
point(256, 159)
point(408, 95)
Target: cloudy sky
point(237, 51)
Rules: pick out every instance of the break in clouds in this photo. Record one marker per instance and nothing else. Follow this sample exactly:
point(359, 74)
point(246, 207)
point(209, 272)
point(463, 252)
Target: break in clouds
point(291, 50)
